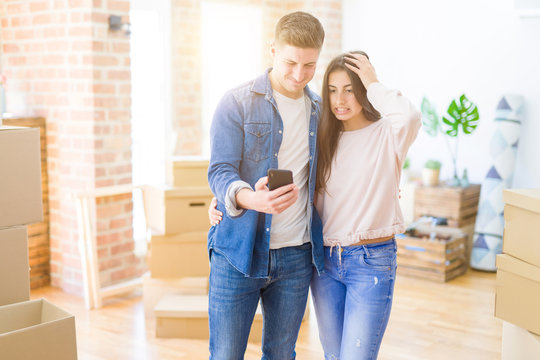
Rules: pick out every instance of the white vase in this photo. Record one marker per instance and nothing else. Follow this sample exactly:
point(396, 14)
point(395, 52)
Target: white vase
point(430, 177)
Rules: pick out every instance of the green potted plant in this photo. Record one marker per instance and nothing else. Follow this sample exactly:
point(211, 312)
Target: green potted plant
point(462, 117)
point(430, 173)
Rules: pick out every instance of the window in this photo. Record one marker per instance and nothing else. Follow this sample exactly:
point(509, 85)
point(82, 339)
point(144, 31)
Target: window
point(231, 53)
point(150, 100)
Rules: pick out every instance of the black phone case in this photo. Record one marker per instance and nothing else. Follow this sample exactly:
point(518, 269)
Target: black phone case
point(278, 178)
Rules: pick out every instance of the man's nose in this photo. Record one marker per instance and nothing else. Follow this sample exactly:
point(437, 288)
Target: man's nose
point(298, 74)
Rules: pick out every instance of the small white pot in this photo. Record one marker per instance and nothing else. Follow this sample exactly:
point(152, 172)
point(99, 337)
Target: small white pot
point(430, 177)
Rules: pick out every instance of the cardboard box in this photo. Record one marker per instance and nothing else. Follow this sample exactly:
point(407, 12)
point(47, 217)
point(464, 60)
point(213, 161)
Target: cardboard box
point(36, 330)
point(177, 210)
point(187, 171)
point(517, 297)
point(184, 316)
point(20, 180)
point(154, 289)
point(518, 343)
point(14, 270)
point(522, 224)
point(179, 255)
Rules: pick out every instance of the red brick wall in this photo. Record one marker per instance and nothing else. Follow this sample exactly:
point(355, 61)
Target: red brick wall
point(186, 52)
point(64, 64)
point(111, 89)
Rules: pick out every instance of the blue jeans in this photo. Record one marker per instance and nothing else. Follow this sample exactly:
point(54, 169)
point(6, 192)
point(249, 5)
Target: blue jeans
point(233, 300)
point(353, 298)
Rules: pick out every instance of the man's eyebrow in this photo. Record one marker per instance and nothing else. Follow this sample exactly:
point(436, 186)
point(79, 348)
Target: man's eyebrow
point(295, 62)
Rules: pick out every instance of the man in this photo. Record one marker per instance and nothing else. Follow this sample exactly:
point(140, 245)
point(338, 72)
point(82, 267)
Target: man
point(267, 243)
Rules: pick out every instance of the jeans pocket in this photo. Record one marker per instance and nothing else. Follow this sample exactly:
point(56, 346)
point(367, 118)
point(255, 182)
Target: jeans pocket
point(382, 261)
point(257, 141)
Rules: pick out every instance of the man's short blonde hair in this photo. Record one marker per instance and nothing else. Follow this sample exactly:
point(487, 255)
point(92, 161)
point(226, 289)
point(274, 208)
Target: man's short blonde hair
point(300, 29)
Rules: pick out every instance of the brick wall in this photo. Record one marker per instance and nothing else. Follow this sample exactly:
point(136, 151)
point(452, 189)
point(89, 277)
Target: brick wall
point(64, 64)
point(186, 53)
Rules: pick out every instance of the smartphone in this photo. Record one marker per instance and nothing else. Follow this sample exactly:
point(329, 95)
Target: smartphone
point(278, 178)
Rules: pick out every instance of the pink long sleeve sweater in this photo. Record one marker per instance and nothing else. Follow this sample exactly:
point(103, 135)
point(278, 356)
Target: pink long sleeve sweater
point(361, 201)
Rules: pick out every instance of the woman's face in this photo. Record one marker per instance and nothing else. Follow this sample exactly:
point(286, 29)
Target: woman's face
point(343, 103)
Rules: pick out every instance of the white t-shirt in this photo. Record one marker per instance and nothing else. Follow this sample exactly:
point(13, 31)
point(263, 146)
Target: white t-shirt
point(290, 227)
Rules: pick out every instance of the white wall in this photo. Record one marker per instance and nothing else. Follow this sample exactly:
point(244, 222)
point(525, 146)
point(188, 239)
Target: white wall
point(442, 49)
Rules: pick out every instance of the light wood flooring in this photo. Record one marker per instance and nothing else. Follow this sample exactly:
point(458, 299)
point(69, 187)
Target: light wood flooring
point(429, 320)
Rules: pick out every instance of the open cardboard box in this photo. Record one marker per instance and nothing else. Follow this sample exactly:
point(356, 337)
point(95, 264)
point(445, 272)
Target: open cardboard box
point(37, 330)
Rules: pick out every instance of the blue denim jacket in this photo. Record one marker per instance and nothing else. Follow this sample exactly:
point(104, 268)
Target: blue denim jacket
point(244, 144)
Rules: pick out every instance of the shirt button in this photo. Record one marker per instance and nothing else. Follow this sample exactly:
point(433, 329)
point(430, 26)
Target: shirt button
point(275, 154)
point(267, 229)
point(310, 157)
point(313, 113)
point(280, 131)
point(311, 133)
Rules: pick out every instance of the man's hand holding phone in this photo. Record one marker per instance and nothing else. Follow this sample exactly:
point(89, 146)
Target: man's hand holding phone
point(266, 200)
point(263, 199)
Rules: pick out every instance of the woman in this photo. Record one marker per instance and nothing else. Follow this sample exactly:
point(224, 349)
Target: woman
point(364, 136)
point(365, 131)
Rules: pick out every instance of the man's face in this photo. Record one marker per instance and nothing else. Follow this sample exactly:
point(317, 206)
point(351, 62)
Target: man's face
point(293, 68)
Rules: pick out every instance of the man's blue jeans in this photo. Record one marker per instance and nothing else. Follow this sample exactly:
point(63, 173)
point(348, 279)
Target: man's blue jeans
point(233, 300)
point(353, 298)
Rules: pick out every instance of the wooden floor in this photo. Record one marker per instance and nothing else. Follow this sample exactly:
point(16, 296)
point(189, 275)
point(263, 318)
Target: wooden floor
point(428, 321)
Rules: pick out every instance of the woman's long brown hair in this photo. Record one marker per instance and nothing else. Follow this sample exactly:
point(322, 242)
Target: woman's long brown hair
point(330, 127)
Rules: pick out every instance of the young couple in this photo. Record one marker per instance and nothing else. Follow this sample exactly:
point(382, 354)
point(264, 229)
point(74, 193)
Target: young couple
point(333, 227)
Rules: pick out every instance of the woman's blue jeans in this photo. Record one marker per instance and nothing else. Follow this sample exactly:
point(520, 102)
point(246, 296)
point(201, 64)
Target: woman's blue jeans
point(353, 298)
point(233, 300)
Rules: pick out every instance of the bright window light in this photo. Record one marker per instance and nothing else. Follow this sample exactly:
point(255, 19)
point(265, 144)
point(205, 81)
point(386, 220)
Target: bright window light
point(150, 101)
point(231, 53)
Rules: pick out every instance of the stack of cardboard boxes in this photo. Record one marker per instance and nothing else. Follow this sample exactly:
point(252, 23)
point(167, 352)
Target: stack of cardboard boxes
point(517, 299)
point(439, 253)
point(29, 329)
point(175, 291)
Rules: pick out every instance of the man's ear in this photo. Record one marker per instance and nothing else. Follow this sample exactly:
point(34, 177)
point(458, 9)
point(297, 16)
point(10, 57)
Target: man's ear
point(273, 49)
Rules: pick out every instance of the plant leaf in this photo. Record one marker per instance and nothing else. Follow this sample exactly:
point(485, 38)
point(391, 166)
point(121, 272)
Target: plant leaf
point(430, 119)
point(453, 127)
point(464, 114)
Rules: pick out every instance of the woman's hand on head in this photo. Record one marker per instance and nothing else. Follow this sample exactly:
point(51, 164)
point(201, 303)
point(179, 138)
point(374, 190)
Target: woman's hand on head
point(361, 66)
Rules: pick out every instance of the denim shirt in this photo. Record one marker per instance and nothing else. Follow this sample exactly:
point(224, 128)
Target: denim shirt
point(245, 141)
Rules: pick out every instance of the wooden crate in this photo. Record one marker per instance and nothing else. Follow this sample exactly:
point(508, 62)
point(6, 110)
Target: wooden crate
point(440, 259)
point(458, 205)
point(38, 233)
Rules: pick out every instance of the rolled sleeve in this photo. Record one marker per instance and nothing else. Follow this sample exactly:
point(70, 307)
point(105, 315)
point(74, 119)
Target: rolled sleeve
point(230, 199)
